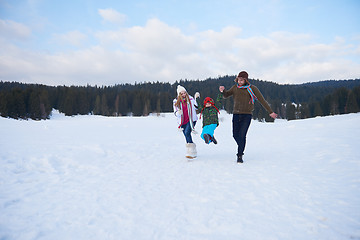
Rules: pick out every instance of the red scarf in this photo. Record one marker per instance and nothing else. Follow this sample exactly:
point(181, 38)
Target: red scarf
point(185, 117)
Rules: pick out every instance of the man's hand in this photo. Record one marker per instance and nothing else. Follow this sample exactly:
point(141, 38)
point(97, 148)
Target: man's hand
point(273, 115)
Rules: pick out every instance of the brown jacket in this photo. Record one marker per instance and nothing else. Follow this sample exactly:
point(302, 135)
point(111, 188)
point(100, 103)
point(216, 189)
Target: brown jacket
point(242, 100)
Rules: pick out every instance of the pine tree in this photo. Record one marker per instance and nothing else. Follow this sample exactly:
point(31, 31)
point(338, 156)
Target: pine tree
point(123, 104)
point(104, 106)
point(137, 106)
point(158, 105)
point(97, 108)
point(341, 95)
point(228, 105)
point(146, 107)
point(304, 111)
point(327, 105)
point(34, 105)
point(70, 102)
point(356, 91)
point(3, 105)
point(82, 102)
point(16, 104)
point(351, 104)
point(117, 99)
point(290, 111)
point(317, 110)
point(166, 102)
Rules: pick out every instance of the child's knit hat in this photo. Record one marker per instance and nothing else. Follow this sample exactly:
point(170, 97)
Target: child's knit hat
point(211, 101)
point(180, 89)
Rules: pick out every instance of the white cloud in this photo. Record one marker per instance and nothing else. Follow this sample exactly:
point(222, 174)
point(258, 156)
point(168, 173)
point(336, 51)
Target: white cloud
point(300, 72)
point(74, 38)
point(112, 16)
point(159, 52)
point(14, 30)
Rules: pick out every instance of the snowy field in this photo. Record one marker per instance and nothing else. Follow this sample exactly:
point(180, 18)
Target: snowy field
point(94, 177)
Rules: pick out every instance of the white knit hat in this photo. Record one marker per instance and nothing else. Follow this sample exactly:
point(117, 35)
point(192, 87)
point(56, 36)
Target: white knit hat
point(180, 89)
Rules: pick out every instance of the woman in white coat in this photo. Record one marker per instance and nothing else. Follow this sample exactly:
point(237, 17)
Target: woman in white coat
point(185, 110)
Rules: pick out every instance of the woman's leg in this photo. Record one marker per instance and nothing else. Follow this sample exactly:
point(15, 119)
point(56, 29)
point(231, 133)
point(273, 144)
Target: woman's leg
point(187, 132)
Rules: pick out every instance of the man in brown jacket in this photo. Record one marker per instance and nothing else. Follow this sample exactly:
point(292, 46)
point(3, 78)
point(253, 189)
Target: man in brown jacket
point(244, 95)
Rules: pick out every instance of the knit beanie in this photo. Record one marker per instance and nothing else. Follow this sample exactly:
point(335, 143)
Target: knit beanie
point(180, 89)
point(244, 74)
point(209, 100)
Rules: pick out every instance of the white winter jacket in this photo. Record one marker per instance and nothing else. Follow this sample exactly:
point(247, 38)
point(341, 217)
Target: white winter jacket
point(192, 115)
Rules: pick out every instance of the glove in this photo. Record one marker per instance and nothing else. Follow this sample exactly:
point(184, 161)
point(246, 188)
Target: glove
point(197, 95)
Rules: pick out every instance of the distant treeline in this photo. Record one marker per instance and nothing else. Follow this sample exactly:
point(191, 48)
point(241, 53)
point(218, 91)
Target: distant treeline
point(35, 101)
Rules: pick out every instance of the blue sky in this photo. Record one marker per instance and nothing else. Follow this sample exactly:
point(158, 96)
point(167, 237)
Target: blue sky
point(83, 42)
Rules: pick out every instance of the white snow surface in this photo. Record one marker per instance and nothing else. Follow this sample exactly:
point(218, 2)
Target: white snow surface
point(94, 177)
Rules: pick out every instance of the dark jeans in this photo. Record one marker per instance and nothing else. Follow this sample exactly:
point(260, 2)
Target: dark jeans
point(187, 131)
point(241, 123)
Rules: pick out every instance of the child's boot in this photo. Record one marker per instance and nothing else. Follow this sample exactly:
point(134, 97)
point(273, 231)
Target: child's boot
point(207, 138)
point(213, 140)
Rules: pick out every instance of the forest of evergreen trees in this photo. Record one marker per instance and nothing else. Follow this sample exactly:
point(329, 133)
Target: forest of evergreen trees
point(296, 101)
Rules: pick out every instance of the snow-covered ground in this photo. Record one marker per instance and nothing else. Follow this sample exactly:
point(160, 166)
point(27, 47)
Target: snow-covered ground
point(93, 177)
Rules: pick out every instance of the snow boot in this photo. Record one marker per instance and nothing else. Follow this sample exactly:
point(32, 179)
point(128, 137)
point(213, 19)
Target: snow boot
point(191, 150)
point(239, 159)
point(213, 140)
point(207, 138)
